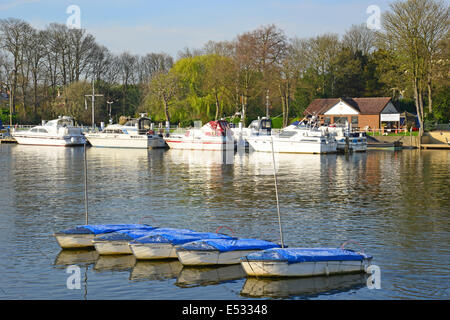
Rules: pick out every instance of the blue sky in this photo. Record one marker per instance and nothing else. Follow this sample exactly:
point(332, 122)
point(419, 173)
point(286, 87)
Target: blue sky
point(140, 26)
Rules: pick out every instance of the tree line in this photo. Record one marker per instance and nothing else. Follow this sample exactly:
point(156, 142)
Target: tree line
point(260, 72)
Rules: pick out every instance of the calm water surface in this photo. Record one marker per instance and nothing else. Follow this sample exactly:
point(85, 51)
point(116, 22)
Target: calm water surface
point(394, 204)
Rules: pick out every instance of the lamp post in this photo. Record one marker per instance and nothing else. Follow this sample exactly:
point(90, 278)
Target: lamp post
point(110, 108)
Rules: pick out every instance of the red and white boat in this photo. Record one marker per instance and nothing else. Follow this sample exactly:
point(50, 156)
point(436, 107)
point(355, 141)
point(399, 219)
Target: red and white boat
point(215, 135)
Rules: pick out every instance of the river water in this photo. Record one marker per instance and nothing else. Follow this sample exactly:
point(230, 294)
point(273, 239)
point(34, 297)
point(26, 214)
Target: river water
point(394, 205)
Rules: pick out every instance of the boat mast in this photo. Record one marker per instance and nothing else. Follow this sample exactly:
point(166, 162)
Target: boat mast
point(93, 95)
point(276, 193)
point(85, 186)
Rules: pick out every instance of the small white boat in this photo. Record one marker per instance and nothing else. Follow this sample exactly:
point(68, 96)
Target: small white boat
point(215, 135)
point(136, 133)
point(260, 127)
point(58, 132)
point(295, 139)
point(164, 245)
point(357, 141)
point(119, 242)
point(82, 236)
point(304, 262)
point(219, 251)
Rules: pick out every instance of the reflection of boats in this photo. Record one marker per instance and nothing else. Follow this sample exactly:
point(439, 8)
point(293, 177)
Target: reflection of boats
point(156, 270)
point(136, 133)
point(58, 132)
point(205, 276)
point(219, 251)
point(163, 246)
point(82, 236)
point(259, 127)
point(115, 263)
point(304, 262)
point(80, 256)
point(291, 287)
point(215, 135)
point(295, 139)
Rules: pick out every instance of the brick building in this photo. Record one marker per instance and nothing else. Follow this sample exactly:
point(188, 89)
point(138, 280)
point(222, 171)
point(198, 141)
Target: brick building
point(362, 113)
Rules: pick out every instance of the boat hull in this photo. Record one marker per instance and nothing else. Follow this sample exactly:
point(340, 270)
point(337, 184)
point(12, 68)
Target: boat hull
point(125, 141)
point(291, 146)
point(302, 269)
point(71, 241)
point(112, 247)
point(202, 258)
point(219, 145)
point(149, 251)
point(50, 141)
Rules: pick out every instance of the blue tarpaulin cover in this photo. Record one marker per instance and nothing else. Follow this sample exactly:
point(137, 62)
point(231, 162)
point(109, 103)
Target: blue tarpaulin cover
point(104, 228)
point(139, 233)
point(297, 255)
point(178, 238)
point(224, 245)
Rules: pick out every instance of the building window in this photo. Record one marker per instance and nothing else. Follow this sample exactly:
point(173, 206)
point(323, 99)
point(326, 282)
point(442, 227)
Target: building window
point(326, 120)
point(355, 121)
point(340, 120)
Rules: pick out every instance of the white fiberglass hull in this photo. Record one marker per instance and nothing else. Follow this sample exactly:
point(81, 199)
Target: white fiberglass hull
point(65, 141)
point(302, 269)
point(68, 241)
point(112, 247)
point(149, 251)
point(202, 258)
point(125, 141)
point(291, 146)
point(200, 144)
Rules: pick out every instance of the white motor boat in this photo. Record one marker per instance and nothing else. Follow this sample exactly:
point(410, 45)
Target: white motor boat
point(295, 139)
point(215, 135)
point(58, 132)
point(260, 127)
point(136, 133)
point(357, 141)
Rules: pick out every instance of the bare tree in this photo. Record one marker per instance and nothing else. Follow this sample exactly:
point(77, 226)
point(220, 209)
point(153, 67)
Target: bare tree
point(359, 38)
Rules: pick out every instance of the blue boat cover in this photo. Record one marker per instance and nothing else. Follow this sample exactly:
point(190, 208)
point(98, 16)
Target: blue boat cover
point(297, 255)
point(103, 228)
point(180, 238)
point(224, 245)
point(133, 234)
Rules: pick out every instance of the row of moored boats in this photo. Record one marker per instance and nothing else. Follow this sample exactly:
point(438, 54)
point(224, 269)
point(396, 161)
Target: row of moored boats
point(258, 257)
point(299, 137)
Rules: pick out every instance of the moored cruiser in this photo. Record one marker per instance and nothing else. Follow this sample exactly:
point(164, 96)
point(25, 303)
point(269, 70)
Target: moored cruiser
point(136, 133)
point(215, 135)
point(57, 132)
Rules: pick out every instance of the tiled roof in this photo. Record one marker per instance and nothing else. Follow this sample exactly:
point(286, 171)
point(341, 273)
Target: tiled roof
point(363, 105)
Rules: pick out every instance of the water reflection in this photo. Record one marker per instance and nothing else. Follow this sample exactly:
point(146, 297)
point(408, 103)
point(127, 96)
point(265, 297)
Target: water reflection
point(114, 263)
point(394, 203)
point(156, 270)
point(302, 287)
point(78, 257)
point(206, 276)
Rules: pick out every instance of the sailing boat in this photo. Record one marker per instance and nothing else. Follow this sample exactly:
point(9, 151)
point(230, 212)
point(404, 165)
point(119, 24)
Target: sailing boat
point(301, 262)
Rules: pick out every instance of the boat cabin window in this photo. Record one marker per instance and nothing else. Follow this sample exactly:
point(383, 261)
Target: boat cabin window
point(287, 134)
point(34, 130)
point(42, 130)
point(266, 124)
